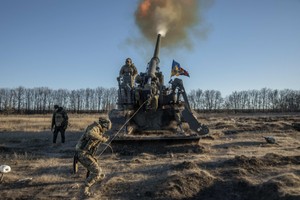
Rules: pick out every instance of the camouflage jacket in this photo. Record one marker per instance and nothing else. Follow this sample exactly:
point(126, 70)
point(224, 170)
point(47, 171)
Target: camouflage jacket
point(128, 69)
point(91, 139)
point(60, 118)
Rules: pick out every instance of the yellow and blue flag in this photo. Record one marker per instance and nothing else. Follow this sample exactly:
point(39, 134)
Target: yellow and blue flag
point(178, 70)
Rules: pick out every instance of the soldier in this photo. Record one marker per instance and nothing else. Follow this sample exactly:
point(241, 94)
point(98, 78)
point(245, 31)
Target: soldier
point(59, 123)
point(178, 117)
point(86, 149)
point(128, 70)
point(126, 81)
point(153, 87)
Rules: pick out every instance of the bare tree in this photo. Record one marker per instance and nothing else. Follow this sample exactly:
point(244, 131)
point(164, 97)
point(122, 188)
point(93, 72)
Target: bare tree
point(199, 98)
point(192, 99)
point(2, 97)
point(20, 95)
point(99, 97)
point(42, 99)
point(218, 100)
point(273, 99)
point(264, 93)
point(110, 98)
point(211, 99)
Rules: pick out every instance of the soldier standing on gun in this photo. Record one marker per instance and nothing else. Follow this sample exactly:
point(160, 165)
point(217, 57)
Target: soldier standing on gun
point(130, 70)
point(59, 123)
point(86, 149)
point(126, 80)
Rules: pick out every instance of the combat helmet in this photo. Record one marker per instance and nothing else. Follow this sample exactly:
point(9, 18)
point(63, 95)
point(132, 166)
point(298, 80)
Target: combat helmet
point(105, 122)
point(128, 60)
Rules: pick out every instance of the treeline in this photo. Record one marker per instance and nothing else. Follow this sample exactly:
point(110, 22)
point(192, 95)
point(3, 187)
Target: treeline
point(251, 100)
point(42, 100)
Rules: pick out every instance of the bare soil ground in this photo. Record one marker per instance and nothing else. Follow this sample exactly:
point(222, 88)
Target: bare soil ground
point(234, 162)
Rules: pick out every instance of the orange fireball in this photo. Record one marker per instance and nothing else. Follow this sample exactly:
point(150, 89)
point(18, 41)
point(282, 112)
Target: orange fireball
point(144, 7)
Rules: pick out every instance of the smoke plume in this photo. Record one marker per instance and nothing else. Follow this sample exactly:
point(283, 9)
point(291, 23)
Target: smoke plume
point(171, 18)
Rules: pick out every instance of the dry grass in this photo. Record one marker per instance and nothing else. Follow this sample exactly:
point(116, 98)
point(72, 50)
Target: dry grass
point(38, 122)
point(236, 162)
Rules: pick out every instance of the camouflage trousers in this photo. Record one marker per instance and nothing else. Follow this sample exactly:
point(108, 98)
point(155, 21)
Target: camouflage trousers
point(62, 133)
point(91, 164)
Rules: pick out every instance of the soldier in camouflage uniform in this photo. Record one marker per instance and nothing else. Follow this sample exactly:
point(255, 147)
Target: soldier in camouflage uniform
point(126, 81)
point(128, 70)
point(178, 118)
point(86, 149)
point(59, 123)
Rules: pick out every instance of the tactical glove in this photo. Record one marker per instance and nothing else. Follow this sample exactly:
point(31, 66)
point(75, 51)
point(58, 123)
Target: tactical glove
point(105, 139)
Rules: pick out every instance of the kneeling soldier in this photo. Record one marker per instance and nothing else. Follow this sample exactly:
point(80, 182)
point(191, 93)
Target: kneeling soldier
point(86, 149)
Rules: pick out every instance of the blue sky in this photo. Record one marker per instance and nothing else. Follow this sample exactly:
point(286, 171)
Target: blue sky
point(72, 44)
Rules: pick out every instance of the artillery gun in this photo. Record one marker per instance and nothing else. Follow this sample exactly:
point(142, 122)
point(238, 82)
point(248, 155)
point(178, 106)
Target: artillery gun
point(149, 111)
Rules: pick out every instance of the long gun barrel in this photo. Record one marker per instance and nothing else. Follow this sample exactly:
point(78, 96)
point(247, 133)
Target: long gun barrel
point(154, 60)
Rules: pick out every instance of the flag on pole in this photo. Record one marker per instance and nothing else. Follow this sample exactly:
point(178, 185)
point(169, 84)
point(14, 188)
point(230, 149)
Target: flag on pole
point(178, 70)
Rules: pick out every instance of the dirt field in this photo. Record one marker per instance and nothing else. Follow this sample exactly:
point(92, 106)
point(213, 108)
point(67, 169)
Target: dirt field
point(234, 162)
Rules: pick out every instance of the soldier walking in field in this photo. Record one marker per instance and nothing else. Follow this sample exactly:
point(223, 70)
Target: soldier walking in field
point(86, 149)
point(59, 123)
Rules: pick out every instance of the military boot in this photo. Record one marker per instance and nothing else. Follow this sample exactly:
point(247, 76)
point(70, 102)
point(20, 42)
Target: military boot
point(87, 192)
point(101, 177)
